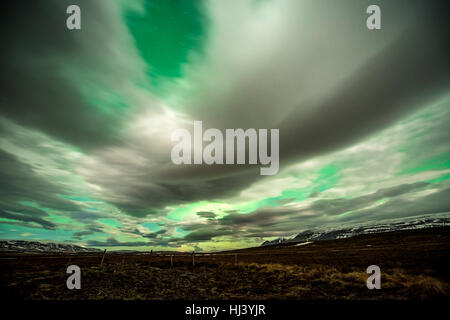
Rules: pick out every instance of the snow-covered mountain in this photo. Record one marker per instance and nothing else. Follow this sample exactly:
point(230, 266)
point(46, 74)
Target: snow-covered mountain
point(36, 246)
point(339, 232)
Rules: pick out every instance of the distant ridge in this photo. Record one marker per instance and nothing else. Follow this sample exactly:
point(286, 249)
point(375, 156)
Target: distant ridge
point(420, 222)
point(37, 246)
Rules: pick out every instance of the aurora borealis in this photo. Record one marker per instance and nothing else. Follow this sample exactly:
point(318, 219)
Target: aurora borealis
point(86, 118)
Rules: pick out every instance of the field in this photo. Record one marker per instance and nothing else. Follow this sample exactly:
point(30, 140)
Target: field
point(414, 265)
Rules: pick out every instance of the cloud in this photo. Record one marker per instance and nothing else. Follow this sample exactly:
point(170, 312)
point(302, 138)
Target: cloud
point(67, 84)
point(321, 100)
point(437, 202)
point(338, 206)
point(85, 134)
point(207, 233)
point(27, 218)
point(291, 219)
point(21, 189)
point(111, 242)
point(206, 214)
point(155, 235)
point(91, 230)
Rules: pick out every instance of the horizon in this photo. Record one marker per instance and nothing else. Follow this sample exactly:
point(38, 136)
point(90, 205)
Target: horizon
point(87, 116)
point(444, 215)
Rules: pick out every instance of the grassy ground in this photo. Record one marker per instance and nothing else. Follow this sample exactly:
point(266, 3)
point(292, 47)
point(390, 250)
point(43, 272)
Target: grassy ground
point(414, 265)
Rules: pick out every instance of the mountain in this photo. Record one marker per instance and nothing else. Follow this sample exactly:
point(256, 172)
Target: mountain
point(273, 242)
point(373, 227)
point(36, 246)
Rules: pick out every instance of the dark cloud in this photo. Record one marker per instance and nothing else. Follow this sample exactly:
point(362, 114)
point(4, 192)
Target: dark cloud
point(36, 89)
point(111, 242)
point(265, 216)
point(19, 216)
point(207, 214)
point(314, 194)
point(19, 185)
point(145, 194)
point(286, 201)
point(89, 231)
point(244, 225)
point(285, 221)
point(86, 216)
point(155, 235)
point(18, 182)
point(80, 234)
point(196, 226)
point(207, 233)
point(436, 202)
point(408, 74)
point(338, 206)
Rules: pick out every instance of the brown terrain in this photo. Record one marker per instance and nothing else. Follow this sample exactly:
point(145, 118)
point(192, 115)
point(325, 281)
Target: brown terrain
point(414, 265)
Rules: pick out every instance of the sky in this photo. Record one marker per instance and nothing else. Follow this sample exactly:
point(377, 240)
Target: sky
point(86, 118)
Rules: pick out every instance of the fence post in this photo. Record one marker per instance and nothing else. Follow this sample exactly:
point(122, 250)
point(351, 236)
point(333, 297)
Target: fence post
point(103, 258)
point(193, 259)
point(235, 259)
point(171, 261)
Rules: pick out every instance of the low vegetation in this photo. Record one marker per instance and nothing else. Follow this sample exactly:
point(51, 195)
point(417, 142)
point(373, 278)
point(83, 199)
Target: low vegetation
point(414, 265)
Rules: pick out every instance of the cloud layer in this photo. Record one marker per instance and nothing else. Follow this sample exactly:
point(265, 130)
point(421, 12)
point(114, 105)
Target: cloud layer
point(86, 118)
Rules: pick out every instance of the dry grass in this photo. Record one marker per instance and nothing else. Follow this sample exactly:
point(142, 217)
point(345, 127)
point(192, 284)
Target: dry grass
point(327, 270)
